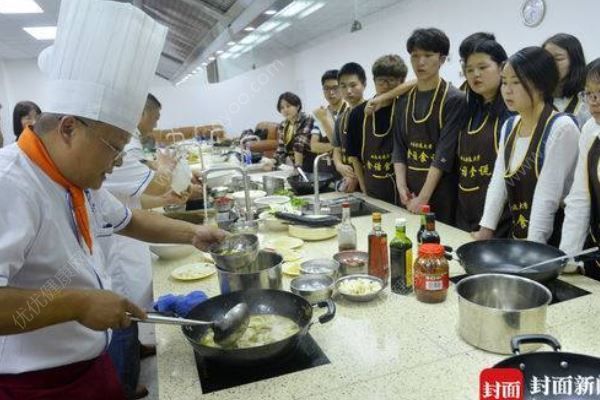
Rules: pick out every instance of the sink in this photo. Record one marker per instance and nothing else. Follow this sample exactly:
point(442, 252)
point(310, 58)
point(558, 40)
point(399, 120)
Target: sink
point(358, 207)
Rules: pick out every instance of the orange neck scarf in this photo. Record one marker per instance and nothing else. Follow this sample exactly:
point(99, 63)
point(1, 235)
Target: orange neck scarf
point(33, 147)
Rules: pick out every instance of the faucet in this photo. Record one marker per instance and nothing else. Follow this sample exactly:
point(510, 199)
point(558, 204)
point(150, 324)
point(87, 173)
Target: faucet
point(242, 171)
point(317, 201)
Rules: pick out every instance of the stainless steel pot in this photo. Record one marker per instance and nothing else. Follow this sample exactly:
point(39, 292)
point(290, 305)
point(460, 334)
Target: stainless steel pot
point(264, 274)
point(495, 307)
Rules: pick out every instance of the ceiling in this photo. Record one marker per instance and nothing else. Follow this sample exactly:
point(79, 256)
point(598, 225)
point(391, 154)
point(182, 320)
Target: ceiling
point(194, 26)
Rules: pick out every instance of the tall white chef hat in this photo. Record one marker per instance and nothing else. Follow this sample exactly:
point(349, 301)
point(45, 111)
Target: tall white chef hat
point(102, 61)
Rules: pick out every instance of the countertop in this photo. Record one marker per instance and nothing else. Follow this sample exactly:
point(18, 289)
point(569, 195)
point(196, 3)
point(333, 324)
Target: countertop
point(394, 347)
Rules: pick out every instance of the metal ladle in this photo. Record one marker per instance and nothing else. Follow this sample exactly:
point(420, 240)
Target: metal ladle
point(227, 330)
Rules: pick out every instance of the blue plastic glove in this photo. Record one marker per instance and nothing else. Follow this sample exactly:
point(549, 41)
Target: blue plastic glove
point(180, 305)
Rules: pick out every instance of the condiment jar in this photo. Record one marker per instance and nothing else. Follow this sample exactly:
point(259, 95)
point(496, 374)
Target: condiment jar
point(431, 274)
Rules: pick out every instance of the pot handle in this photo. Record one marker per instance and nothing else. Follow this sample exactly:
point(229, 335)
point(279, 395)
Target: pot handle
point(328, 316)
point(517, 341)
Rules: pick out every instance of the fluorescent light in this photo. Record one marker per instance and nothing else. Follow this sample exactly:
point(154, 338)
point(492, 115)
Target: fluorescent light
point(42, 32)
point(271, 12)
point(268, 26)
point(249, 39)
point(284, 26)
point(311, 10)
point(225, 56)
point(261, 39)
point(294, 8)
point(237, 48)
point(233, 57)
point(19, 7)
point(219, 52)
point(249, 28)
point(211, 58)
point(247, 49)
point(232, 43)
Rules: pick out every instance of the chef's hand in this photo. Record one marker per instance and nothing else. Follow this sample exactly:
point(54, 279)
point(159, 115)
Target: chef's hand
point(207, 235)
point(173, 198)
point(346, 171)
point(320, 113)
point(405, 196)
point(483, 234)
point(196, 177)
point(573, 267)
point(102, 309)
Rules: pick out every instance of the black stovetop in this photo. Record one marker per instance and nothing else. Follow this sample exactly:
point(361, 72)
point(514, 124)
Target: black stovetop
point(215, 376)
point(561, 290)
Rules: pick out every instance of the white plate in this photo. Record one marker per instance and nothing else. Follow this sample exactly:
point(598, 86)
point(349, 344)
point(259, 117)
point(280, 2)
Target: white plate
point(290, 255)
point(268, 201)
point(313, 234)
point(283, 243)
point(191, 272)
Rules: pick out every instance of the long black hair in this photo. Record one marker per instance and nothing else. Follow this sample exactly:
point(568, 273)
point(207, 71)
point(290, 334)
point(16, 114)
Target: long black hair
point(574, 82)
point(22, 109)
point(537, 70)
point(498, 55)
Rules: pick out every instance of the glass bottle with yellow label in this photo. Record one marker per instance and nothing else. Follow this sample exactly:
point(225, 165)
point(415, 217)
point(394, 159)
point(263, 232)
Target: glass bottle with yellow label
point(401, 266)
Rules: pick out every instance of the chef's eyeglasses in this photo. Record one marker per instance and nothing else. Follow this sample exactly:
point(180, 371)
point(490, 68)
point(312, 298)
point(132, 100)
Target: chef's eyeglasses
point(119, 154)
point(590, 97)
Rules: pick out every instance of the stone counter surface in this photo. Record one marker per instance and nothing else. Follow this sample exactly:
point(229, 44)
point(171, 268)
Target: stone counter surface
point(394, 347)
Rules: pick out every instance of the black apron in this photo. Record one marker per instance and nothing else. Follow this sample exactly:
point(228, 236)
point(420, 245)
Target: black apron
point(592, 268)
point(572, 106)
point(520, 184)
point(377, 148)
point(422, 135)
point(477, 152)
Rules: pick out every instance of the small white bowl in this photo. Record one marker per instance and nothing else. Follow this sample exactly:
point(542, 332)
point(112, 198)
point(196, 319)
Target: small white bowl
point(171, 251)
point(240, 197)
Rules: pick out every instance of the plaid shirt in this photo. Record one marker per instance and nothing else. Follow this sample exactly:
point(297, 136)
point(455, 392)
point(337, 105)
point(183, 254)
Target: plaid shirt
point(300, 138)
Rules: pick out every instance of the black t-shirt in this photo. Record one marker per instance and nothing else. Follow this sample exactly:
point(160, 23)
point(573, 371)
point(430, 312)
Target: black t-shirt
point(355, 127)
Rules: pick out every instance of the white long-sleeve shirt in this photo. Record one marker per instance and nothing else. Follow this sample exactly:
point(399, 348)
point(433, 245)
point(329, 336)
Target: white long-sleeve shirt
point(578, 202)
point(581, 113)
point(553, 183)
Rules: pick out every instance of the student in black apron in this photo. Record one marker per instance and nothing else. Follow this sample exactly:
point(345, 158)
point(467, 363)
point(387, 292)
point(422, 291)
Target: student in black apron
point(294, 133)
point(537, 153)
point(370, 141)
point(426, 130)
point(326, 117)
point(582, 211)
point(353, 80)
point(479, 138)
point(570, 61)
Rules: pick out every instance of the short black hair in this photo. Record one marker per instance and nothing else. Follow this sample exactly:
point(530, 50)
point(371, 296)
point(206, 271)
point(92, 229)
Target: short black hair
point(537, 70)
point(390, 65)
point(575, 79)
point(353, 68)
point(329, 74)
point(593, 70)
point(151, 100)
point(22, 109)
point(468, 44)
point(428, 39)
point(291, 98)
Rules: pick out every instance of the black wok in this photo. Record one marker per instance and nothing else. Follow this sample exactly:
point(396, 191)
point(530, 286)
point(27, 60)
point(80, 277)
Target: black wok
point(508, 256)
point(276, 302)
point(300, 187)
point(553, 364)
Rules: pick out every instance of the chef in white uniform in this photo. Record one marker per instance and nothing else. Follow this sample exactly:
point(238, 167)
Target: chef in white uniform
point(57, 307)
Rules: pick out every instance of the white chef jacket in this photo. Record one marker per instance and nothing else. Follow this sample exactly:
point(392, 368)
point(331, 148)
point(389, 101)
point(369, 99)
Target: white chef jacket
point(128, 260)
point(578, 202)
point(553, 183)
point(40, 248)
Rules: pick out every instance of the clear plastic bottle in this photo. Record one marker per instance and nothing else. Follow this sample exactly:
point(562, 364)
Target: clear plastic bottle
point(346, 231)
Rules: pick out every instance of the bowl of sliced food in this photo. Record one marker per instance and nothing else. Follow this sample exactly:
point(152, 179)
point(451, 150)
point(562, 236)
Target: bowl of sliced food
point(359, 287)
